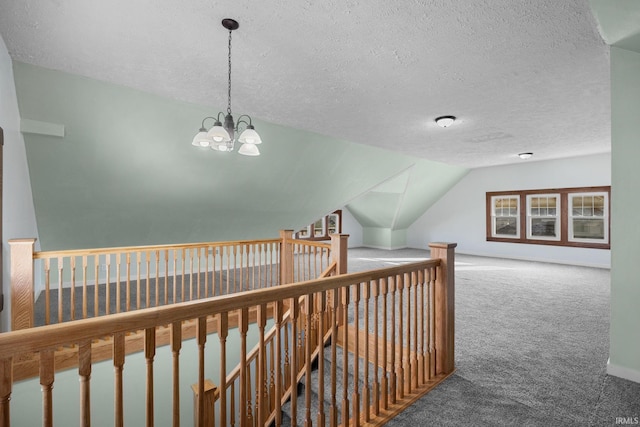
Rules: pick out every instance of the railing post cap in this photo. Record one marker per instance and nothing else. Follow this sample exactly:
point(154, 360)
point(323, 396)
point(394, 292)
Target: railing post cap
point(24, 240)
point(442, 245)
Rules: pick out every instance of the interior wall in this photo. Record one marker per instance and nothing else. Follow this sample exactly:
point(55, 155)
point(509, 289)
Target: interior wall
point(460, 215)
point(624, 360)
point(18, 218)
point(125, 173)
point(352, 227)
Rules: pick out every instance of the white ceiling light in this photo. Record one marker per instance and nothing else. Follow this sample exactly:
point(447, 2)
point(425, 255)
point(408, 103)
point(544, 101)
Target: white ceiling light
point(221, 137)
point(445, 121)
point(525, 156)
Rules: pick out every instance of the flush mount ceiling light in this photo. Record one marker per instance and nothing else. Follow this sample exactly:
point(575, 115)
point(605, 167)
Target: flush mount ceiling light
point(221, 137)
point(445, 121)
point(525, 156)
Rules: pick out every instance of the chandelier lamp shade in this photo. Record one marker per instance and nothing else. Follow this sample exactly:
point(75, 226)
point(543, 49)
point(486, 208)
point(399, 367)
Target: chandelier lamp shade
point(222, 135)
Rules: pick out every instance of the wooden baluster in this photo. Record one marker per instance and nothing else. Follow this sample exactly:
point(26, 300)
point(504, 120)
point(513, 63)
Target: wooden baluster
point(355, 400)
point(257, 411)
point(248, 413)
point(345, 353)
point(84, 371)
point(392, 346)
point(175, 277)
point(47, 294)
point(46, 382)
point(166, 276)
point(84, 286)
point(243, 323)
point(366, 392)
point(107, 282)
point(118, 364)
point(272, 377)
point(376, 354)
point(279, 378)
point(321, 309)
point(335, 304)
point(206, 272)
point(308, 308)
point(260, 249)
point(148, 294)
point(384, 386)
point(414, 356)
point(228, 250)
point(406, 359)
point(6, 382)
point(198, 272)
point(399, 368)
point(128, 268)
point(286, 368)
point(157, 278)
point(176, 345)
point(421, 367)
point(149, 354)
point(262, 365)
point(72, 267)
point(60, 288)
point(232, 404)
point(295, 311)
point(223, 332)
point(96, 287)
point(432, 324)
point(118, 297)
point(235, 271)
point(138, 277)
point(183, 288)
point(201, 336)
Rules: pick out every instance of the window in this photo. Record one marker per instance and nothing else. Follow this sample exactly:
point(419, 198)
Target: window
point(588, 217)
point(505, 216)
point(543, 216)
point(323, 228)
point(567, 217)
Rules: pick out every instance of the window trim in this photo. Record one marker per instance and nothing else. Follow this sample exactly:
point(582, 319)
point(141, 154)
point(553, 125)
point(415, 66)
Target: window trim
point(604, 217)
point(310, 229)
point(563, 219)
point(557, 216)
point(494, 217)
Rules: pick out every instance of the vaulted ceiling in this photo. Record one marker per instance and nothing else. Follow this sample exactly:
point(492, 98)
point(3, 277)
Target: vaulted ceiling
point(520, 75)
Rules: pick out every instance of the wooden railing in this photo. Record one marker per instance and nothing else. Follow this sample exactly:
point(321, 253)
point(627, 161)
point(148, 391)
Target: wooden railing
point(78, 284)
point(394, 327)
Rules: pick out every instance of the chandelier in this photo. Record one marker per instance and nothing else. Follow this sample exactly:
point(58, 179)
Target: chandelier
point(222, 137)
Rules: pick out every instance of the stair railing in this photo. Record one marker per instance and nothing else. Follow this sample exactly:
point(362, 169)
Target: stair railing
point(412, 337)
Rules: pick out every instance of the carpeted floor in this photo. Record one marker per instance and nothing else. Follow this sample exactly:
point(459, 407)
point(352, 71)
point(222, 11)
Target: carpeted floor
point(532, 342)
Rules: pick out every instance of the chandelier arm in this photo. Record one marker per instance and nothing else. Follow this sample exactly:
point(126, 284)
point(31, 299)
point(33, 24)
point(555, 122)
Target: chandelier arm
point(243, 121)
point(203, 120)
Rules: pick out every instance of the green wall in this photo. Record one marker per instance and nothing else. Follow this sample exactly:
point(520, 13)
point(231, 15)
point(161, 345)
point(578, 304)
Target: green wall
point(125, 172)
point(625, 205)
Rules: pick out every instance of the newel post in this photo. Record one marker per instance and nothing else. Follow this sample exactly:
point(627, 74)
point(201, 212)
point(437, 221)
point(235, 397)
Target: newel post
point(286, 257)
point(339, 243)
point(21, 265)
point(444, 306)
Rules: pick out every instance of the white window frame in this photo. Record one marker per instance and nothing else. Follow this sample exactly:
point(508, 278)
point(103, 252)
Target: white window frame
point(604, 217)
point(494, 216)
point(557, 217)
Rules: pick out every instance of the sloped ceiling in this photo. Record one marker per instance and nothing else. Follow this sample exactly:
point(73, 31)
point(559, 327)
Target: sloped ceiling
point(125, 172)
point(521, 75)
point(618, 22)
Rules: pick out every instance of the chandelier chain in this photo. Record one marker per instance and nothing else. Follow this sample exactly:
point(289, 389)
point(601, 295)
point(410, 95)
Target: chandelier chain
point(229, 89)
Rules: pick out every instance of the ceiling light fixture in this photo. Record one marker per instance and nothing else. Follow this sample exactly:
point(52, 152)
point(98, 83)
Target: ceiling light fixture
point(221, 137)
point(525, 156)
point(445, 121)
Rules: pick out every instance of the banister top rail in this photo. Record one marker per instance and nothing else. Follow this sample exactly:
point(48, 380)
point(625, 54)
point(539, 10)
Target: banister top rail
point(47, 337)
point(310, 243)
point(131, 249)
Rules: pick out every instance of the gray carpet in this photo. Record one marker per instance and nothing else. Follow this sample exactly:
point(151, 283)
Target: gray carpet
point(532, 343)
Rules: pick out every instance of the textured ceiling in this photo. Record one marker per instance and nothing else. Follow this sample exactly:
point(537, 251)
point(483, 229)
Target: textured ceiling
point(521, 75)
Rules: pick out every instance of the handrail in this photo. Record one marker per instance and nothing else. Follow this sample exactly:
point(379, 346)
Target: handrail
point(131, 249)
point(52, 336)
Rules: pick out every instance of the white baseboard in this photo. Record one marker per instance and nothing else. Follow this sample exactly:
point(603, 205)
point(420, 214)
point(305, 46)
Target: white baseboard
point(536, 259)
point(386, 248)
point(622, 372)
